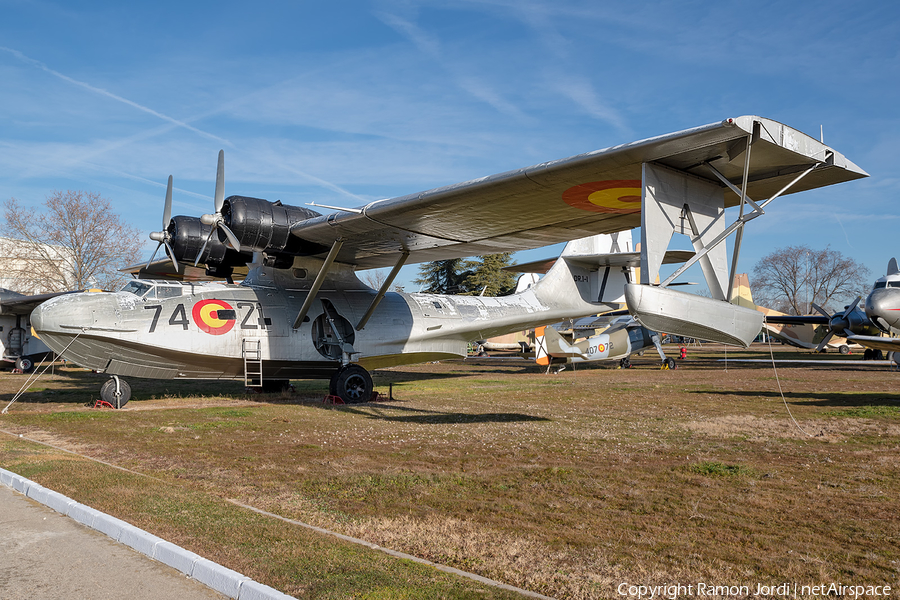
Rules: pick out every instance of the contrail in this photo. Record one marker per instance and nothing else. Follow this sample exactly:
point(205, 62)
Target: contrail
point(103, 92)
point(325, 184)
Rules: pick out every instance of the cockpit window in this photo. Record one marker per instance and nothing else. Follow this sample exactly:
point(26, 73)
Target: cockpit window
point(168, 291)
point(893, 283)
point(880, 284)
point(138, 288)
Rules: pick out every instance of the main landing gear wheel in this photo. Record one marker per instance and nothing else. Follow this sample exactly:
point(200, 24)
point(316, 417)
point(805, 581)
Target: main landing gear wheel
point(669, 364)
point(24, 364)
point(117, 399)
point(352, 384)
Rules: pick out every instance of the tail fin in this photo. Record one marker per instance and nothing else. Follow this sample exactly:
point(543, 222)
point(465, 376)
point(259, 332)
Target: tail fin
point(597, 267)
point(541, 356)
point(549, 344)
point(740, 291)
point(525, 281)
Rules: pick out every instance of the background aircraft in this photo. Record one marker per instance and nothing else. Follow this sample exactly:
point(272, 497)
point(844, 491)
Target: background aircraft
point(784, 328)
point(19, 348)
point(301, 312)
point(619, 341)
point(881, 313)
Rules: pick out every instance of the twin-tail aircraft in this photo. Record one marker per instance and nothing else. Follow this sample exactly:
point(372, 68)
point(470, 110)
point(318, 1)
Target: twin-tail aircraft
point(301, 312)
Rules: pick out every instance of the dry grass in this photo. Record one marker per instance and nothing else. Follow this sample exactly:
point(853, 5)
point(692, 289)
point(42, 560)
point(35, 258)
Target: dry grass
point(565, 485)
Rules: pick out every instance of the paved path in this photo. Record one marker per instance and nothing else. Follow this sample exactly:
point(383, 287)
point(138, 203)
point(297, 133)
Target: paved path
point(47, 556)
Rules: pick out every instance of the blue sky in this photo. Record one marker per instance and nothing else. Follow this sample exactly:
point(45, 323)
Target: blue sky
point(344, 103)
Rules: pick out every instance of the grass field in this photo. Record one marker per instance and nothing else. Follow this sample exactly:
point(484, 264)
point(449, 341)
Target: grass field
point(566, 485)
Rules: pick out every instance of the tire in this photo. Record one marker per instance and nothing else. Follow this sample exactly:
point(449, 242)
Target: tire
point(670, 363)
point(844, 349)
point(352, 384)
point(867, 355)
point(24, 364)
point(108, 393)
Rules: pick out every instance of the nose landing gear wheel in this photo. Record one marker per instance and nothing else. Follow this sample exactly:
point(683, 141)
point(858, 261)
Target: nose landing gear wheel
point(352, 384)
point(117, 399)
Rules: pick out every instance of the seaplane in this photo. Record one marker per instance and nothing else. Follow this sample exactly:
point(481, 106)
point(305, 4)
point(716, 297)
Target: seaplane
point(301, 311)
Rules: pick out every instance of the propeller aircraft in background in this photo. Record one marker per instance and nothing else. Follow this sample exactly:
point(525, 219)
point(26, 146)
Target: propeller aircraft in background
point(863, 326)
point(301, 312)
point(623, 338)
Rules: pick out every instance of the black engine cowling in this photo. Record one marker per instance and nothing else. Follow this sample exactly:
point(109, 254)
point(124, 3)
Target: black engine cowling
point(188, 234)
point(263, 226)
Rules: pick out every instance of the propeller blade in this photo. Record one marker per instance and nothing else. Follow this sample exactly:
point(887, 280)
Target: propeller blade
point(231, 237)
point(825, 341)
point(171, 252)
point(152, 256)
point(851, 307)
point(820, 309)
point(220, 183)
point(203, 247)
point(167, 207)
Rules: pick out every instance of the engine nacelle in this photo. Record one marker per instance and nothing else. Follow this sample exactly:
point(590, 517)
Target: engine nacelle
point(188, 234)
point(263, 226)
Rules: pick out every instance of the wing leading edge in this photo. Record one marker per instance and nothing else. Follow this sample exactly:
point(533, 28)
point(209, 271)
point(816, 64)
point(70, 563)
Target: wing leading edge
point(587, 194)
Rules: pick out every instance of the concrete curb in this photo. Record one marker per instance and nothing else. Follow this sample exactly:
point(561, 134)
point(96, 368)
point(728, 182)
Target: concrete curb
point(213, 575)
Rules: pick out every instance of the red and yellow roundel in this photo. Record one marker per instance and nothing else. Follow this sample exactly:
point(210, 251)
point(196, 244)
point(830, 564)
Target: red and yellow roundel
point(206, 316)
point(601, 348)
point(618, 196)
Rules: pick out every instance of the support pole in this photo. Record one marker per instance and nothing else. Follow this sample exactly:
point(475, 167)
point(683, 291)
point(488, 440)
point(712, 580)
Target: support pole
point(383, 290)
point(739, 235)
point(320, 279)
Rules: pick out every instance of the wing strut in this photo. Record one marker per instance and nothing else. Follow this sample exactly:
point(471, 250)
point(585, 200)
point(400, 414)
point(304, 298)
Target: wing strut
point(320, 279)
point(757, 212)
point(383, 290)
point(674, 200)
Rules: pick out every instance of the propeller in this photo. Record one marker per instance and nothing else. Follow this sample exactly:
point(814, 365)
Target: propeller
point(164, 237)
point(837, 323)
point(216, 219)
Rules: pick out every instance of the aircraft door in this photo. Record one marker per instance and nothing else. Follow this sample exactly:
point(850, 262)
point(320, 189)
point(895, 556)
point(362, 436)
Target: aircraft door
point(15, 341)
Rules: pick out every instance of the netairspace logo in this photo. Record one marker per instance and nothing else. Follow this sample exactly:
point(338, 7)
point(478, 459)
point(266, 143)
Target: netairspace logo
point(783, 590)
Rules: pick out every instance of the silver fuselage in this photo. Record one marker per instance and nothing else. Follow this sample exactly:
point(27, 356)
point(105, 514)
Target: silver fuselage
point(170, 329)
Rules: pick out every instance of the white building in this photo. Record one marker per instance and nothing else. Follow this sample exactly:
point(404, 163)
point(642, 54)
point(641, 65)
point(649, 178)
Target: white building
point(33, 268)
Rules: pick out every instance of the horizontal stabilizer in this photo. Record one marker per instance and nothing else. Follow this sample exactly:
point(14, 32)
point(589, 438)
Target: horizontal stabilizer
point(619, 259)
point(679, 313)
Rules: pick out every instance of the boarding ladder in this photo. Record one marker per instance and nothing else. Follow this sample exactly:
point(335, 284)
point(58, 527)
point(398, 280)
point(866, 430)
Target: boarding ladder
point(250, 350)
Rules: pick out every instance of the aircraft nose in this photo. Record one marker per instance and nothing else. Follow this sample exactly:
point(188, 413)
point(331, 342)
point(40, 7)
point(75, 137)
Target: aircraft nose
point(72, 311)
point(37, 318)
point(880, 308)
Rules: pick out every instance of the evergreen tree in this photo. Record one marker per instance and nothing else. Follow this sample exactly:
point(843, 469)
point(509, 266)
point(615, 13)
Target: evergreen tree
point(442, 276)
point(458, 276)
point(487, 274)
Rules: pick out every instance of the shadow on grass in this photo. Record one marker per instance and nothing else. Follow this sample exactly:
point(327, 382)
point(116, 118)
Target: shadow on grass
point(845, 399)
point(433, 417)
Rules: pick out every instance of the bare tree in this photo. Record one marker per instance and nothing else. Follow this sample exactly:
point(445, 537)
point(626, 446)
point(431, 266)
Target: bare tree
point(76, 242)
point(374, 278)
point(791, 279)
